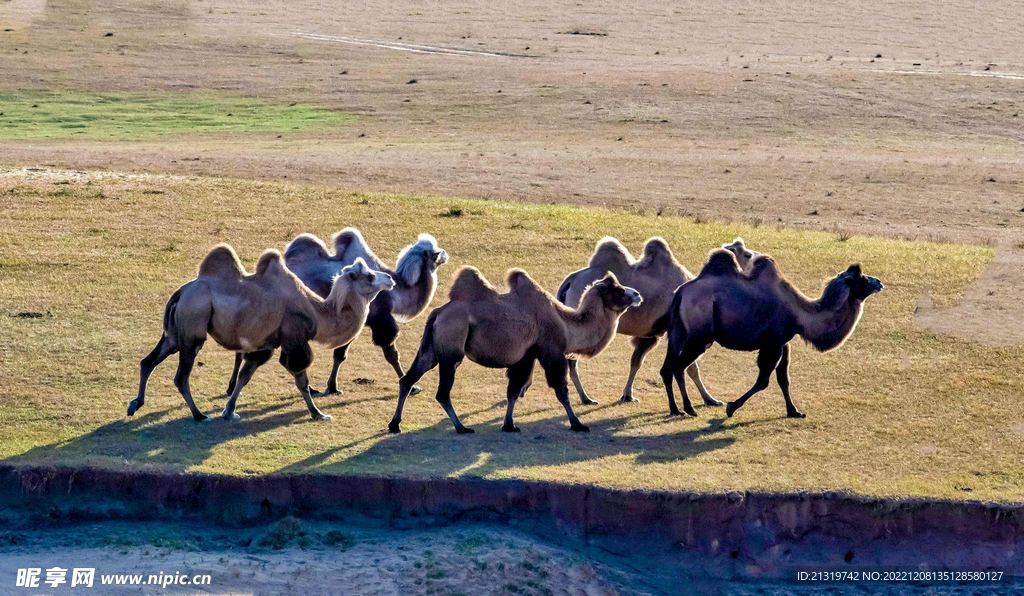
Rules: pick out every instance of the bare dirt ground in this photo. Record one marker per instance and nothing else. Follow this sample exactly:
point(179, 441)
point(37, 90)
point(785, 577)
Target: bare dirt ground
point(321, 558)
point(895, 119)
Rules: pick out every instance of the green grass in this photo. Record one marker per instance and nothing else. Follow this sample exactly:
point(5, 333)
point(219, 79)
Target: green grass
point(80, 114)
point(896, 411)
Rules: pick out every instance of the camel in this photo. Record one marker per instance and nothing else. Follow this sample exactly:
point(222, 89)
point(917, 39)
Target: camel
point(254, 314)
point(511, 331)
point(758, 311)
point(656, 276)
point(415, 280)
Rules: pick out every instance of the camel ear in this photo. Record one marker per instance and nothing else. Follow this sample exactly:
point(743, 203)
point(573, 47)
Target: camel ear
point(854, 270)
point(610, 277)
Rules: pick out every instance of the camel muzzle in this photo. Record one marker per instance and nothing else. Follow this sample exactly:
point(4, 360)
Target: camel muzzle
point(635, 297)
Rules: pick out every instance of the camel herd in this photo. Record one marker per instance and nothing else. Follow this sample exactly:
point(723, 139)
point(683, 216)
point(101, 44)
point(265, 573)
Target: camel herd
point(739, 300)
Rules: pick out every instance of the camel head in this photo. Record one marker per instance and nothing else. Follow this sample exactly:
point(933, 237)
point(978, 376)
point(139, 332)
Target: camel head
point(363, 280)
point(861, 286)
point(615, 296)
point(421, 258)
point(744, 256)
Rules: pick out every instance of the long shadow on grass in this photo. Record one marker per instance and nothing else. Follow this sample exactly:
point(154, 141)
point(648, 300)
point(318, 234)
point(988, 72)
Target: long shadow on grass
point(165, 439)
point(437, 451)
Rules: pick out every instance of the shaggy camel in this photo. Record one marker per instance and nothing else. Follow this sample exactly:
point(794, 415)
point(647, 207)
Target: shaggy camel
point(512, 331)
point(757, 311)
point(656, 276)
point(415, 277)
point(254, 314)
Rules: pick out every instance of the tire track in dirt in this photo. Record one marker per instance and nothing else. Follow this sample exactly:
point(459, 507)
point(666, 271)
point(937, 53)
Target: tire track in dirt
point(406, 47)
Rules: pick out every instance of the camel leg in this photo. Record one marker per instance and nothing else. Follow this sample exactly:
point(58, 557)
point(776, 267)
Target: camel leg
point(425, 361)
point(185, 362)
point(690, 353)
point(693, 371)
point(234, 374)
point(163, 349)
point(296, 358)
point(253, 360)
point(782, 375)
point(574, 374)
point(395, 360)
point(641, 347)
point(767, 360)
point(519, 374)
point(556, 369)
point(340, 354)
point(446, 373)
point(526, 386)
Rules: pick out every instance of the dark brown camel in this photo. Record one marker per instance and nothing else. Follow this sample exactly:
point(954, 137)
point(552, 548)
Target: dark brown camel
point(656, 275)
point(415, 280)
point(511, 331)
point(761, 311)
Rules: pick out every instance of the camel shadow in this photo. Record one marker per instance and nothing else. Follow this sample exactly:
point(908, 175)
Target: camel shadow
point(435, 450)
point(159, 439)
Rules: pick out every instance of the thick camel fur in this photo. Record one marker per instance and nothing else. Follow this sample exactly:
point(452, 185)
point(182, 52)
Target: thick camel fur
point(757, 311)
point(513, 330)
point(656, 275)
point(253, 314)
point(415, 280)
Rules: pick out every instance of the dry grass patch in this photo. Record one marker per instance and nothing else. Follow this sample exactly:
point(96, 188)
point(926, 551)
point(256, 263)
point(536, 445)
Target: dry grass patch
point(896, 411)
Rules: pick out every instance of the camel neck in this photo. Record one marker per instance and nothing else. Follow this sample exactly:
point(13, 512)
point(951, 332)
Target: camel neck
point(827, 326)
point(409, 300)
point(340, 316)
point(590, 327)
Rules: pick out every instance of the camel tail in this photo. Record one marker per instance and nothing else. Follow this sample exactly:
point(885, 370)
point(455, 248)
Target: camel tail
point(563, 290)
point(426, 356)
point(170, 312)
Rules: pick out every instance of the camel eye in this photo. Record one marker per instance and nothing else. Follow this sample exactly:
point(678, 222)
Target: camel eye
point(352, 275)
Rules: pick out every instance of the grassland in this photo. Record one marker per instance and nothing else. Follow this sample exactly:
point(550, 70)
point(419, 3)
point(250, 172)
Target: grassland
point(87, 262)
point(69, 114)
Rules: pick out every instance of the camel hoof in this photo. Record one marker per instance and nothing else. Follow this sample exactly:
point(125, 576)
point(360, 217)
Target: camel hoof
point(691, 413)
point(510, 428)
point(415, 389)
point(132, 408)
point(465, 431)
point(230, 416)
point(313, 393)
point(796, 414)
point(730, 408)
point(322, 417)
point(394, 427)
point(580, 428)
point(674, 413)
point(710, 401)
point(199, 416)
point(589, 402)
point(626, 399)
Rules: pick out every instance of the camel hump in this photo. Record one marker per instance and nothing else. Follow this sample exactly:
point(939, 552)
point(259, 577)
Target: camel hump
point(350, 245)
point(520, 282)
point(764, 266)
point(222, 261)
point(610, 254)
point(470, 284)
point(306, 247)
point(656, 252)
point(721, 262)
point(271, 263)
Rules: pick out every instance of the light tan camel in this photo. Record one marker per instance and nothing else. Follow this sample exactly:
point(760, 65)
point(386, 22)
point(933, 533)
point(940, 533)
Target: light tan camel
point(254, 314)
point(511, 331)
point(415, 276)
point(656, 276)
point(760, 311)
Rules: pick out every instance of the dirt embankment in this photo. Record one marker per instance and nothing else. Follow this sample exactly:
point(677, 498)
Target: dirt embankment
point(745, 535)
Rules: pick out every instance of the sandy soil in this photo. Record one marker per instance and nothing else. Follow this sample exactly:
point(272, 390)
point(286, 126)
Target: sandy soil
point(319, 558)
point(896, 119)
